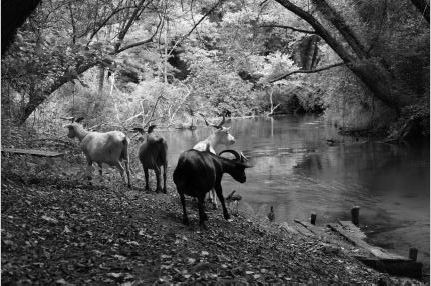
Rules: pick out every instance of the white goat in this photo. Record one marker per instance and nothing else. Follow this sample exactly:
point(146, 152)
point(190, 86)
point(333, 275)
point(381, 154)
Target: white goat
point(107, 147)
point(220, 136)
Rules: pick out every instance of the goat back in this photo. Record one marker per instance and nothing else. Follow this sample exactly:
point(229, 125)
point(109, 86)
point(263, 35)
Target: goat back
point(196, 172)
point(153, 152)
point(108, 147)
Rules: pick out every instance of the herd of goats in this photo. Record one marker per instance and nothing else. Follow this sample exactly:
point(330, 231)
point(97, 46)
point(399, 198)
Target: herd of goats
point(199, 170)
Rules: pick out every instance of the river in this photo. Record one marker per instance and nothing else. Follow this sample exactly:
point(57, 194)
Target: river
point(297, 172)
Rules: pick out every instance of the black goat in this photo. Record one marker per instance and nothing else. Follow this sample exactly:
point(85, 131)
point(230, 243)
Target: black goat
point(198, 172)
point(153, 154)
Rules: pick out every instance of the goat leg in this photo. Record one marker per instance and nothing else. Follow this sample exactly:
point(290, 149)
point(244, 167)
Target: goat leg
point(100, 172)
point(121, 169)
point(147, 186)
point(202, 215)
point(219, 192)
point(164, 178)
point(183, 202)
point(158, 172)
point(213, 199)
point(126, 164)
point(89, 170)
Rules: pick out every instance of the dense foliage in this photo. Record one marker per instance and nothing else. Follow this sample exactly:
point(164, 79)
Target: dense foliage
point(112, 61)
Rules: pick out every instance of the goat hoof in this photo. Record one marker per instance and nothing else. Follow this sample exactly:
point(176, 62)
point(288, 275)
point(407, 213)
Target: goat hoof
point(227, 217)
point(165, 191)
point(203, 226)
point(205, 217)
point(129, 186)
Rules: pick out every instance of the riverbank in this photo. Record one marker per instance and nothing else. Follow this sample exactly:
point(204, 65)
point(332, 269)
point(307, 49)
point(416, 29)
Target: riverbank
point(59, 230)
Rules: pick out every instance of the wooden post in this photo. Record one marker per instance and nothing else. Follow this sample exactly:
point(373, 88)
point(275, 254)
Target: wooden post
point(313, 218)
point(413, 253)
point(355, 215)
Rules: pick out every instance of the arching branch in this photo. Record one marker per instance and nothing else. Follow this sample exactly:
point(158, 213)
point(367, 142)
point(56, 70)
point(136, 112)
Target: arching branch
point(288, 27)
point(304, 71)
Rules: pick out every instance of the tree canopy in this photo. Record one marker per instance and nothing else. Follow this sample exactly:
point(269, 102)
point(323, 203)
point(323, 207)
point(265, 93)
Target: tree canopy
point(119, 56)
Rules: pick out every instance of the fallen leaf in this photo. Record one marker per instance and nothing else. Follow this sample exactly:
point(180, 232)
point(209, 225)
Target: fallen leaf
point(115, 275)
point(49, 219)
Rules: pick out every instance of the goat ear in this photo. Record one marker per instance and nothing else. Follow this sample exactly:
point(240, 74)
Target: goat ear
point(151, 128)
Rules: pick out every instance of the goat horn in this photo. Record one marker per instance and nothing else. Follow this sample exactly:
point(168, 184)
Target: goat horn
point(206, 122)
point(235, 153)
point(243, 156)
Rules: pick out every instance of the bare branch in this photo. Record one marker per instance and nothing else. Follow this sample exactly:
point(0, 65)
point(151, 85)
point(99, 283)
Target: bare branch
point(304, 71)
point(263, 3)
point(287, 27)
point(195, 26)
point(127, 26)
point(149, 40)
point(154, 110)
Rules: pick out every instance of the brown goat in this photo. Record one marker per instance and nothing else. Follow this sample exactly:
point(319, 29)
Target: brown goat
point(153, 154)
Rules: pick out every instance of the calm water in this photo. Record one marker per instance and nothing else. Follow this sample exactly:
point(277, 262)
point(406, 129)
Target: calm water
point(298, 173)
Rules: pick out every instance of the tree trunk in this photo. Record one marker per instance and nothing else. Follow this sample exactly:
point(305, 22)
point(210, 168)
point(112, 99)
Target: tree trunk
point(38, 97)
point(373, 75)
point(423, 7)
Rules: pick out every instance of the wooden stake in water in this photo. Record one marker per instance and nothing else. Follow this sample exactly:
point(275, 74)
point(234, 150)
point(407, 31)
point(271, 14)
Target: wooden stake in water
point(413, 253)
point(355, 215)
point(313, 218)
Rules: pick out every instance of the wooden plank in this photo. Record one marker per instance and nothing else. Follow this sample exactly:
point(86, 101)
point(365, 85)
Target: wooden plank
point(40, 153)
point(314, 229)
point(407, 268)
point(303, 230)
point(374, 250)
point(378, 258)
point(288, 228)
point(353, 229)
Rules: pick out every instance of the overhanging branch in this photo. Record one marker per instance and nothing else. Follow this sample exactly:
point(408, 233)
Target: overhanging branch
point(287, 27)
point(149, 40)
point(304, 71)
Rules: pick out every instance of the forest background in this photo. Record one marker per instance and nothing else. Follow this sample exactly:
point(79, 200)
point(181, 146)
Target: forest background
point(363, 65)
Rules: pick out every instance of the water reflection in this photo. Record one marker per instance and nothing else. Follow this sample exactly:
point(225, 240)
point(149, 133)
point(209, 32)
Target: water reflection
point(298, 173)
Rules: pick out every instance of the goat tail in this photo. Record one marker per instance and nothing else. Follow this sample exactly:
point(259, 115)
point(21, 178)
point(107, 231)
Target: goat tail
point(124, 154)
